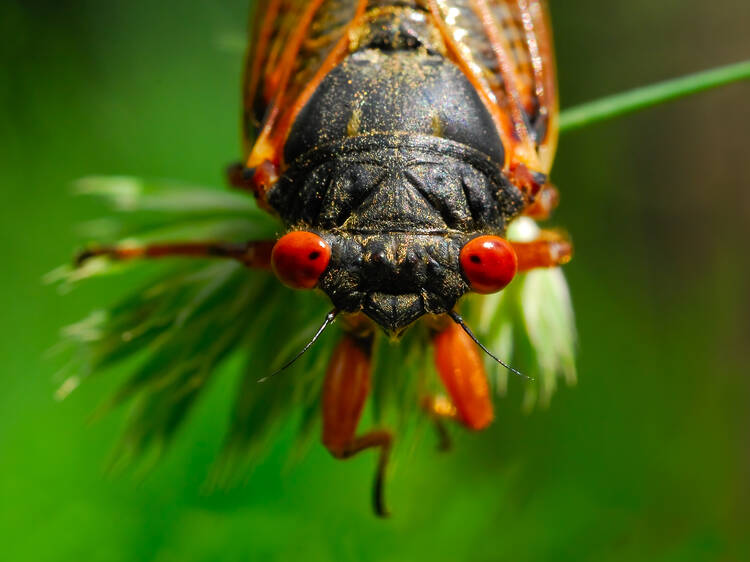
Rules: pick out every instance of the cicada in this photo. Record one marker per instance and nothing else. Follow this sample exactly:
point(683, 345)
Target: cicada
point(395, 140)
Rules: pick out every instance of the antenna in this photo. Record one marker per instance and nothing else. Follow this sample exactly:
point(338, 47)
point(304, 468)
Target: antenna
point(330, 317)
point(460, 321)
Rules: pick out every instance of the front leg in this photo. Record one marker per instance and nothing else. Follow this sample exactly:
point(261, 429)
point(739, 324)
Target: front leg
point(256, 254)
point(551, 249)
point(345, 391)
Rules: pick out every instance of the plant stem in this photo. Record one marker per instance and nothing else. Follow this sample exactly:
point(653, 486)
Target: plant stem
point(641, 98)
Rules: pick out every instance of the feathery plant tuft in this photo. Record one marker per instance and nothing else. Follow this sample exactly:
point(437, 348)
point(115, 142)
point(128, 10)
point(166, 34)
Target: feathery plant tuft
point(180, 327)
point(191, 318)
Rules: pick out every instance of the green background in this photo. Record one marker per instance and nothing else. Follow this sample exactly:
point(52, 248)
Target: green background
point(646, 459)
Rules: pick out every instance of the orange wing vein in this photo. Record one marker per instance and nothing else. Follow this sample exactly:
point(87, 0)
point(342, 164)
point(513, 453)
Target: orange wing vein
point(505, 48)
point(295, 43)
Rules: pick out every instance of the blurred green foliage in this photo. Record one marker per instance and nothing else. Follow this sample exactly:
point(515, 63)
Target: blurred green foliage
point(647, 458)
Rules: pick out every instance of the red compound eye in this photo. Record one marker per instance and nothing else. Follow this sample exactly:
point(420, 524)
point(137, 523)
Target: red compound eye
point(300, 258)
point(489, 263)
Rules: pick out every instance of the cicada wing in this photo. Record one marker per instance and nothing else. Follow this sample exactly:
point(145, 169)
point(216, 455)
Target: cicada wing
point(291, 43)
point(505, 47)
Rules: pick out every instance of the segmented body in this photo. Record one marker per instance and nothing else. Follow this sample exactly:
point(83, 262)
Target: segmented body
point(398, 131)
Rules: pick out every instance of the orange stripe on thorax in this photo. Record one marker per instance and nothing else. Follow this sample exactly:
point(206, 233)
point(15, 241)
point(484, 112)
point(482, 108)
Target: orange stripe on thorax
point(264, 148)
point(335, 56)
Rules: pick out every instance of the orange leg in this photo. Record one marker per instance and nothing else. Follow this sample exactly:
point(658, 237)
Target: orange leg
point(545, 202)
point(237, 177)
point(255, 180)
point(252, 254)
point(461, 369)
point(345, 390)
point(440, 408)
point(549, 250)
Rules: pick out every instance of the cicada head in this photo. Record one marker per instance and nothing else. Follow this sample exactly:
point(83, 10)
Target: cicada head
point(388, 223)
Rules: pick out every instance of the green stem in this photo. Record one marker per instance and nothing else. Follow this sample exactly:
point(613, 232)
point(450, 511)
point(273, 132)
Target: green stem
point(641, 98)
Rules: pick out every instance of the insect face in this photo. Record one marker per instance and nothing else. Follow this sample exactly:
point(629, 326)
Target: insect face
point(394, 278)
point(396, 210)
